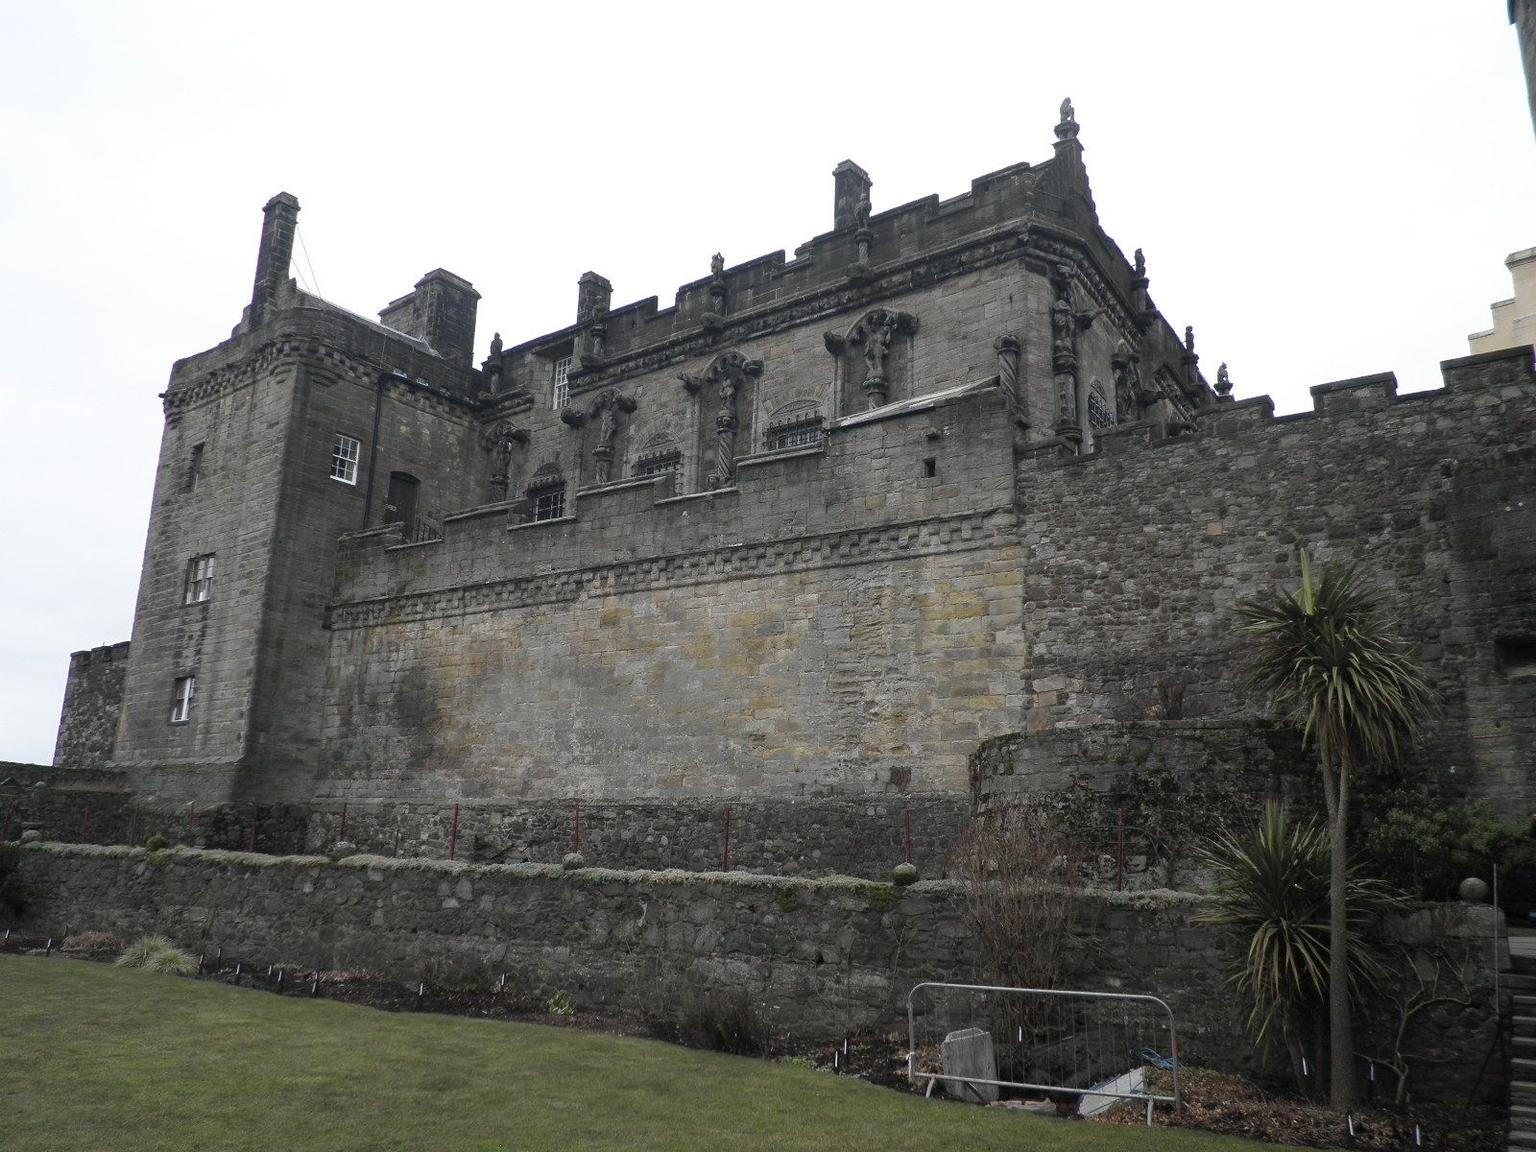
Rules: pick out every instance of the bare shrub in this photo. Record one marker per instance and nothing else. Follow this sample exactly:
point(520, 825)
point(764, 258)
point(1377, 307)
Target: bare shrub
point(1023, 886)
point(90, 944)
point(724, 1022)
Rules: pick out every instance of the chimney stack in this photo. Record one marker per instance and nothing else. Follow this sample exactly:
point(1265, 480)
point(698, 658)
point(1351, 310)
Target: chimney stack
point(593, 296)
point(280, 220)
point(851, 186)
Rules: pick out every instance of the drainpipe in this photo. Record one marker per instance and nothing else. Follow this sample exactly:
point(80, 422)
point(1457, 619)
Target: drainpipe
point(373, 443)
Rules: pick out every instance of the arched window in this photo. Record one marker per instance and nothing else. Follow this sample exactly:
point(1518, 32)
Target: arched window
point(797, 424)
point(658, 455)
point(547, 491)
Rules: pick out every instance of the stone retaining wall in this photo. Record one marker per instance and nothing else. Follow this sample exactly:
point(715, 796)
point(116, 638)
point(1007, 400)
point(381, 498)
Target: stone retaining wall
point(824, 957)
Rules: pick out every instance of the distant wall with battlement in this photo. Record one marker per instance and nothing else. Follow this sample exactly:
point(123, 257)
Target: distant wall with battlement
point(93, 700)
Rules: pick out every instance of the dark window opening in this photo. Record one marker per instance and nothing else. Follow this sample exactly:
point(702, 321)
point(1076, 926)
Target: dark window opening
point(1516, 656)
point(194, 468)
point(931, 466)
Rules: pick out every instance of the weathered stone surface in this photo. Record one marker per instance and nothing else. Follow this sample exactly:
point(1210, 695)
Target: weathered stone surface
point(824, 957)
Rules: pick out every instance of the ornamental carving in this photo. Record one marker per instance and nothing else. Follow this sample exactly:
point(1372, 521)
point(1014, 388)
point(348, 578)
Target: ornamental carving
point(875, 338)
point(500, 439)
point(606, 408)
point(727, 374)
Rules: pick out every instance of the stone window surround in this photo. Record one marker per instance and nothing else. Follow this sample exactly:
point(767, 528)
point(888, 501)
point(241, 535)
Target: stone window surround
point(183, 692)
point(199, 585)
point(560, 382)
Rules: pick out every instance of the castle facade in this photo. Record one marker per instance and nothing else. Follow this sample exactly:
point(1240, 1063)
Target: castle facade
point(814, 538)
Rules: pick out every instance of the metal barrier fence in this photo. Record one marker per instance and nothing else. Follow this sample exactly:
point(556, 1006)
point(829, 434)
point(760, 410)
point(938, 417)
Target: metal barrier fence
point(1099, 1047)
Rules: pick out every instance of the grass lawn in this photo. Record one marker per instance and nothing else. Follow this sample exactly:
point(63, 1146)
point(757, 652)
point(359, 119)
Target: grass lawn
point(94, 1057)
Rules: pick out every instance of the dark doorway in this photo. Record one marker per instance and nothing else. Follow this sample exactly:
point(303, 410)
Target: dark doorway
point(400, 501)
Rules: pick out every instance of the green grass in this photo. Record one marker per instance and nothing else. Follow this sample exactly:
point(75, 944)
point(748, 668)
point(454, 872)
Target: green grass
point(95, 1057)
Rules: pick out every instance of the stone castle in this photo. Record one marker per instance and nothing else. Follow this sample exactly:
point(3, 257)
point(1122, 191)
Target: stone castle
point(940, 508)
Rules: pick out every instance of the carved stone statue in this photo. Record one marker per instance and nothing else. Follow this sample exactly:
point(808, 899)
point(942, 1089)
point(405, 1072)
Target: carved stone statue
point(1189, 338)
point(495, 347)
point(1141, 265)
point(877, 346)
point(1068, 116)
point(717, 265)
point(861, 212)
point(1223, 381)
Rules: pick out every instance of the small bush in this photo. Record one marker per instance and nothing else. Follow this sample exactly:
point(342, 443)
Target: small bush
point(157, 843)
point(560, 1004)
point(724, 1022)
point(157, 954)
point(1428, 847)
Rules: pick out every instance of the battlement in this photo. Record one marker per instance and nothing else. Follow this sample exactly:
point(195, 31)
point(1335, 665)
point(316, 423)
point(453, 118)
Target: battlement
point(869, 253)
point(102, 655)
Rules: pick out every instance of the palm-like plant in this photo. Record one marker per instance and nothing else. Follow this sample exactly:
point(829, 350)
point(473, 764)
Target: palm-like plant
point(1336, 674)
point(1271, 890)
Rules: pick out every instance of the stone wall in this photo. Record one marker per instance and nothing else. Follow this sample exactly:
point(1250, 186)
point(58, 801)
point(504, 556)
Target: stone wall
point(1135, 557)
point(824, 957)
point(812, 837)
point(93, 700)
point(840, 623)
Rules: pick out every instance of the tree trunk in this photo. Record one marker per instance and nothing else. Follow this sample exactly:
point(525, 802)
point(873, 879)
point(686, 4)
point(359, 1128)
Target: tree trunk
point(1341, 1034)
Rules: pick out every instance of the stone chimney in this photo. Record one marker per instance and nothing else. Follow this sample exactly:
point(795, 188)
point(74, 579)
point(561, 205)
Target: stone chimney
point(593, 296)
point(280, 220)
point(440, 310)
point(851, 185)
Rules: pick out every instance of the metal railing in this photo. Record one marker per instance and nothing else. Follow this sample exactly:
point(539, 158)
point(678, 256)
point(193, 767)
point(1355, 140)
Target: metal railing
point(1055, 1041)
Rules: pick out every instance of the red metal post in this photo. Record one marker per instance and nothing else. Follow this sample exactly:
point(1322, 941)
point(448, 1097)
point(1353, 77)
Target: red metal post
point(1120, 849)
point(453, 836)
point(725, 856)
point(576, 831)
point(906, 832)
point(85, 832)
point(343, 835)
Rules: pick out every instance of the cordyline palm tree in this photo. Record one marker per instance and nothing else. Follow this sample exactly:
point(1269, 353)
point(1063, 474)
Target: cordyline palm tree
point(1334, 672)
point(1271, 891)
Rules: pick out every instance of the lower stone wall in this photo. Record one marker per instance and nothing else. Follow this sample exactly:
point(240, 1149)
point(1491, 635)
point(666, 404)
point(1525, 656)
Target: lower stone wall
point(825, 957)
point(818, 837)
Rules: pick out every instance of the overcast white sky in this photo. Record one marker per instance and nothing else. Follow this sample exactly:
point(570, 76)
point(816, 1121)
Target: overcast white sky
point(1322, 189)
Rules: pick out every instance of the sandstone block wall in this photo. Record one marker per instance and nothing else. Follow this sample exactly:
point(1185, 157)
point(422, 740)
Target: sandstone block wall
point(824, 957)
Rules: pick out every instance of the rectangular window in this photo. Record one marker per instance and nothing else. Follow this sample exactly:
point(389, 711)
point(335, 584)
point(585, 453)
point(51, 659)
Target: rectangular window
point(803, 435)
point(549, 504)
point(194, 468)
point(656, 465)
point(344, 459)
point(561, 375)
point(181, 700)
point(199, 579)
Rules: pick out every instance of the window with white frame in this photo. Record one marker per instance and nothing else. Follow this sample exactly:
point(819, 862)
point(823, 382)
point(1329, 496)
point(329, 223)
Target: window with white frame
point(560, 374)
point(344, 459)
point(199, 579)
point(183, 691)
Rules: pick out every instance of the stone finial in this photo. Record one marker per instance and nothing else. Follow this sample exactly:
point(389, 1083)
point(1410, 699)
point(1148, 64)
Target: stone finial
point(1189, 339)
point(1066, 127)
point(716, 266)
point(495, 346)
point(1140, 265)
point(1223, 382)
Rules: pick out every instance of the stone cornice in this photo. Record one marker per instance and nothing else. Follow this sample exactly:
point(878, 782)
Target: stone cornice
point(962, 532)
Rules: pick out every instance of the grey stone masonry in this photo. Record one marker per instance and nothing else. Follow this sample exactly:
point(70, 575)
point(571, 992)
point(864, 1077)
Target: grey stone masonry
point(823, 958)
